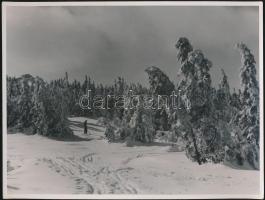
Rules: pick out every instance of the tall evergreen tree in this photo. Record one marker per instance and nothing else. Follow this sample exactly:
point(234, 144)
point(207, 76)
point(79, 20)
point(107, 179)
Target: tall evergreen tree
point(161, 85)
point(246, 122)
point(142, 125)
point(25, 102)
point(222, 99)
point(196, 114)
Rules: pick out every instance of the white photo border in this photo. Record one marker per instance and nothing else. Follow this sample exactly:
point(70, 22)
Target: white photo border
point(129, 3)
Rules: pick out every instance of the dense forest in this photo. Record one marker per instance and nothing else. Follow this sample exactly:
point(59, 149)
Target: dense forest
point(216, 124)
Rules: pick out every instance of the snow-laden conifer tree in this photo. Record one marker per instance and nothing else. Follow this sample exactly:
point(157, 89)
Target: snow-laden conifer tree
point(159, 81)
point(142, 125)
point(224, 111)
point(57, 109)
point(235, 99)
point(246, 122)
point(39, 101)
point(160, 84)
point(249, 117)
point(222, 99)
point(13, 93)
point(39, 107)
point(25, 103)
point(196, 121)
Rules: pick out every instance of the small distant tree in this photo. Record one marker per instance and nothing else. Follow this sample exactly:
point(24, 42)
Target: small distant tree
point(118, 91)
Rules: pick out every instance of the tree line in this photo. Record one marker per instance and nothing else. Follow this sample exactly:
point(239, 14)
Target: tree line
point(216, 124)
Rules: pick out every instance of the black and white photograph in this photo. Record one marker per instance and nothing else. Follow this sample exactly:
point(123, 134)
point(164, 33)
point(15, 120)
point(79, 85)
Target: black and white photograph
point(130, 100)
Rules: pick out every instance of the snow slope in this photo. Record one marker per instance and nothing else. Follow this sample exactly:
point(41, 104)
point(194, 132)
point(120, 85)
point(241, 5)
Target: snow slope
point(91, 165)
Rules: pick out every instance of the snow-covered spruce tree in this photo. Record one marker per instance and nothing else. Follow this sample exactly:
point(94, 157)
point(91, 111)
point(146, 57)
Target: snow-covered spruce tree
point(196, 121)
point(124, 130)
point(160, 84)
point(246, 122)
point(235, 99)
point(224, 111)
point(40, 107)
point(136, 122)
point(141, 125)
point(13, 93)
point(224, 88)
point(25, 103)
point(56, 107)
point(159, 81)
point(40, 124)
point(85, 86)
point(119, 89)
point(250, 96)
point(50, 107)
point(75, 91)
point(184, 47)
point(110, 133)
point(222, 99)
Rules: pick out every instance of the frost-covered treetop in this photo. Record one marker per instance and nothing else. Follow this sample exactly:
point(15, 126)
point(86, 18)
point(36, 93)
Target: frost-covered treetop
point(246, 54)
point(159, 81)
point(224, 82)
point(248, 69)
point(184, 47)
point(248, 75)
point(197, 59)
point(193, 62)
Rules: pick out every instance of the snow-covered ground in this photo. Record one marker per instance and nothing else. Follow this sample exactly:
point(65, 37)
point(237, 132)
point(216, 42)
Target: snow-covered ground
point(38, 165)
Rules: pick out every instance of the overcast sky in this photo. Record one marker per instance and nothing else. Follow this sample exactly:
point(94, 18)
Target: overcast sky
point(106, 42)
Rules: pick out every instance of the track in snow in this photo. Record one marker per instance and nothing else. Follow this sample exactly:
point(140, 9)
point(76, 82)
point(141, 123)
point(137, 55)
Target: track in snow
point(88, 178)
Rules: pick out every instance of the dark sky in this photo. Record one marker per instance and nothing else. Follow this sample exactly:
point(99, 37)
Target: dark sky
point(106, 42)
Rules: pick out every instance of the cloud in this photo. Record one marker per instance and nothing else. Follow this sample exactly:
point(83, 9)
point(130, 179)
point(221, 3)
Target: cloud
point(106, 42)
